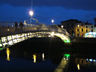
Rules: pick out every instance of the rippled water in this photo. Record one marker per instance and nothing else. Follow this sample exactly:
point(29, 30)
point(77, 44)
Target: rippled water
point(44, 55)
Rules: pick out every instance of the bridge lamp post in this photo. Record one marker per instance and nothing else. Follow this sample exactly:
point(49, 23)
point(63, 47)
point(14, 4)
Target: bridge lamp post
point(31, 13)
point(52, 21)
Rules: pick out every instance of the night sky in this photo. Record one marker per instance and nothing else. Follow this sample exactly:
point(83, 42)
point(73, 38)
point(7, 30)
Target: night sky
point(45, 10)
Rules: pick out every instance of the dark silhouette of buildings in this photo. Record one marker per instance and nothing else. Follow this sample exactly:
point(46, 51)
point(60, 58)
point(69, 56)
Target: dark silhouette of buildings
point(21, 25)
point(16, 26)
point(69, 25)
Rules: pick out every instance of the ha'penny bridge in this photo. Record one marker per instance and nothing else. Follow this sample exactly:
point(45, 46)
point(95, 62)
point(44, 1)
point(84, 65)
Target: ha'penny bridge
point(7, 40)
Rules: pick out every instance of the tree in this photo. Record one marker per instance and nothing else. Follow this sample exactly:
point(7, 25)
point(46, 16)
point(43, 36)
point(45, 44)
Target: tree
point(21, 25)
point(16, 26)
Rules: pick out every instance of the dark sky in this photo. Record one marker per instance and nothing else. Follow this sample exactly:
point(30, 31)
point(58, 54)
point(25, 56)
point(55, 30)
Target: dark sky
point(45, 10)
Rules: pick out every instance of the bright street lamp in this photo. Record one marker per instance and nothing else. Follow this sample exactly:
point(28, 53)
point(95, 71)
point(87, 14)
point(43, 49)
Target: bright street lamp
point(31, 13)
point(78, 25)
point(52, 21)
point(62, 26)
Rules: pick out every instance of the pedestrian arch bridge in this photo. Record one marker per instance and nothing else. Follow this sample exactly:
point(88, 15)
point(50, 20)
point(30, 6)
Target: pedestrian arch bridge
point(9, 40)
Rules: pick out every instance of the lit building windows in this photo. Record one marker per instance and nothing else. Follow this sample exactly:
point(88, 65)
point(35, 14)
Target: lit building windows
point(83, 29)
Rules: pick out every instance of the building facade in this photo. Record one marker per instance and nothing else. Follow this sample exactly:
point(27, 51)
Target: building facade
point(81, 29)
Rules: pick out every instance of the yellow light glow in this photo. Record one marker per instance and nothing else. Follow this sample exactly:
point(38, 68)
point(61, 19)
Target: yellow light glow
point(78, 25)
point(0, 45)
point(63, 37)
point(34, 58)
point(8, 54)
point(62, 65)
point(8, 29)
point(78, 66)
point(52, 34)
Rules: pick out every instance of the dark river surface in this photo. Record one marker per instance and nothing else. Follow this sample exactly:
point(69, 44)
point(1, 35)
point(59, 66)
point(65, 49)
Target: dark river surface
point(47, 55)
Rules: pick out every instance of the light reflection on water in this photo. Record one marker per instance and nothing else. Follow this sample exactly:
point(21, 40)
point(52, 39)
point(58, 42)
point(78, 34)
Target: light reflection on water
point(40, 55)
point(8, 54)
point(34, 58)
point(81, 63)
point(43, 56)
point(62, 65)
point(85, 61)
point(85, 64)
point(78, 66)
point(26, 60)
point(62, 62)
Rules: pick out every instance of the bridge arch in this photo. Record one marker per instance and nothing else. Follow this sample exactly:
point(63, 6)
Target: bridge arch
point(7, 41)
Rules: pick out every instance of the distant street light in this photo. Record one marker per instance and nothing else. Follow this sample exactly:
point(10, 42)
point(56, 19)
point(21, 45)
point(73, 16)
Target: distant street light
point(8, 29)
point(62, 26)
point(78, 25)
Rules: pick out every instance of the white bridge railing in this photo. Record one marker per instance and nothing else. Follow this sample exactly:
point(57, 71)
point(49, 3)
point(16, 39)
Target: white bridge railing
point(10, 40)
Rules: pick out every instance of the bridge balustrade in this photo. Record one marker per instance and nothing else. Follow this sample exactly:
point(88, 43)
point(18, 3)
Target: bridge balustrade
point(7, 41)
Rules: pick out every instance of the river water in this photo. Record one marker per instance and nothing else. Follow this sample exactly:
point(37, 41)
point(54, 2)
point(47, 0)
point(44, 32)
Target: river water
point(44, 55)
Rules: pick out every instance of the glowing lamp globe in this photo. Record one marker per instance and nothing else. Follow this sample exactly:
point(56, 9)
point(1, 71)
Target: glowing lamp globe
point(31, 13)
point(52, 20)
